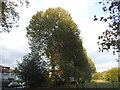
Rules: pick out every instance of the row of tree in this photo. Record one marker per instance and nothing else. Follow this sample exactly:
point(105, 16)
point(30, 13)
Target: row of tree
point(109, 75)
point(57, 52)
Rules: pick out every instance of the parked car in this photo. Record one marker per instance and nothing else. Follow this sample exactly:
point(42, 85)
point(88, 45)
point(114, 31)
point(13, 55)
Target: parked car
point(22, 84)
point(13, 84)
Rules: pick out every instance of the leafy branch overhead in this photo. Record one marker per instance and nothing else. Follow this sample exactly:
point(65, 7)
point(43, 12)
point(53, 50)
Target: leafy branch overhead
point(110, 37)
point(9, 14)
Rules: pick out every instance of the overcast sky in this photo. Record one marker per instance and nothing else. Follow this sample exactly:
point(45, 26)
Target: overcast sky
point(14, 45)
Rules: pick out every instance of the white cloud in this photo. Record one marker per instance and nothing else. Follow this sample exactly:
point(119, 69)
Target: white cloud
point(13, 46)
point(106, 66)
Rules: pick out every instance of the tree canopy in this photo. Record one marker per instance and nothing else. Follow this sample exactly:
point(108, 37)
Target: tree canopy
point(111, 74)
point(97, 76)
point(55, 36)
point(33, 70)
point(108, 75)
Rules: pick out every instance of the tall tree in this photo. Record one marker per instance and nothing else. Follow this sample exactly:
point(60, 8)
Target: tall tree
point(33, 70)
point(97, 76)
point(8, 13)
point(91, 63)
point(54, 35)
point(111, 74)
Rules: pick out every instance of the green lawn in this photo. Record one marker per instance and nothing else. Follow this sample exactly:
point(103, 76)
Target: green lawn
point(93, 84)
point(99, 81)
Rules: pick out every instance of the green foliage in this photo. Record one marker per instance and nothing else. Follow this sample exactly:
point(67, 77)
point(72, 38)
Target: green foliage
point(91, 63)
point(55, 36)
point(111, 75)
point(90, 66)
point(32, 70)
point(108, 75)
point(97, 76)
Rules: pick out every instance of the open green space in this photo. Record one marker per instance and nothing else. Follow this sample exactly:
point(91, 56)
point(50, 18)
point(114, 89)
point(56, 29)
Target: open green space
point(93, 85)
point(99, 81)
point(58, 57)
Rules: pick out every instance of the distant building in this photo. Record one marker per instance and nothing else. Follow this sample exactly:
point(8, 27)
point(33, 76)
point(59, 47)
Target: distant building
point(7, 74)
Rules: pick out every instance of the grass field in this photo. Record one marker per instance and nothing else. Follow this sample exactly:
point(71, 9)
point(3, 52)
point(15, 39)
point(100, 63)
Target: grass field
point(93, 84)
point(99, 81)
